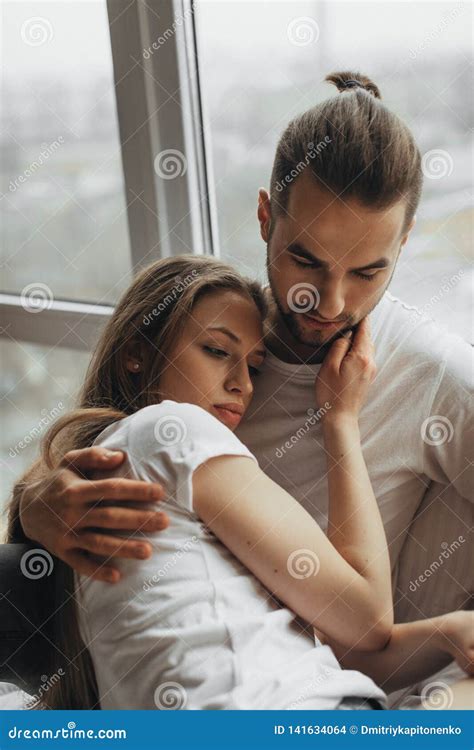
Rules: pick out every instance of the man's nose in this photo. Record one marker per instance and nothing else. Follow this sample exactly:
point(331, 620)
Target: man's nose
point(331, 300)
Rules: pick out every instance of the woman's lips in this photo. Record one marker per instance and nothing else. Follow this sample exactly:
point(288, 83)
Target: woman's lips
point(230, 418)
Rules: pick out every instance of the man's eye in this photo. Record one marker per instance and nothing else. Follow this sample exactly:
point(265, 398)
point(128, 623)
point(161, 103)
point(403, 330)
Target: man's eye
point(366, 276)
point(301, 261)
point(254, 371)
point(216, 352)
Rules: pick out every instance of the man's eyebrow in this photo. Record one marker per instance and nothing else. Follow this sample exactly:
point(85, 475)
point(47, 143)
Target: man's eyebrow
point(233, 337)
point(297, 249)
point(380, 263)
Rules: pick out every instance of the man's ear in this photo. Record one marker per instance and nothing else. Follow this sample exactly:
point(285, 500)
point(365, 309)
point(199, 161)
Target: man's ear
point(408, 232)
point(264, 213)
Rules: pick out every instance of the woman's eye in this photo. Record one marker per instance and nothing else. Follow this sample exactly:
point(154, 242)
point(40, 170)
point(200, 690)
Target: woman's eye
point(216, 352)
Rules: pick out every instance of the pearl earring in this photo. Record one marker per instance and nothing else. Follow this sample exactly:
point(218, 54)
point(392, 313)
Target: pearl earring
point(136, 366)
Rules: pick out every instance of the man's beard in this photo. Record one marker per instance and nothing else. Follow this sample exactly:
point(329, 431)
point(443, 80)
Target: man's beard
point(314, 340)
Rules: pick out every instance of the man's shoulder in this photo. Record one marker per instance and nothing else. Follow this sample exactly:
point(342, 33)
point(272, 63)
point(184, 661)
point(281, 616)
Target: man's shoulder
point(412, 330)
point(411, 338)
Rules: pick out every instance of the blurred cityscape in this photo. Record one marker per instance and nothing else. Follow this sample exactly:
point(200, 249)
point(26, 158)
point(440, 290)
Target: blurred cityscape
point(64, 217)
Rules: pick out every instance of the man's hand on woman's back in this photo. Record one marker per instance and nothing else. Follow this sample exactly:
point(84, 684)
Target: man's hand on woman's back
point(65, 513)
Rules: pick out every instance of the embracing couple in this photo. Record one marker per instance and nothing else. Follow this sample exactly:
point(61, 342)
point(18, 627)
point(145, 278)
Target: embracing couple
point(232, 497)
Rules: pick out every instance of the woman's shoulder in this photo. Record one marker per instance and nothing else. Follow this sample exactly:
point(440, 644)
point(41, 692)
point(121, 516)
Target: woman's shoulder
point(173, 421)
point(171, 427)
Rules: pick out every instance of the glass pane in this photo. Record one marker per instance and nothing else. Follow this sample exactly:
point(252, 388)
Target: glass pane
point(39, 384)
point(272, 59)
point(63, 212)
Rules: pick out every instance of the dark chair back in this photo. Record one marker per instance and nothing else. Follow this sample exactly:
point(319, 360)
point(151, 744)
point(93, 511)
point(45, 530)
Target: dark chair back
point(26, 608)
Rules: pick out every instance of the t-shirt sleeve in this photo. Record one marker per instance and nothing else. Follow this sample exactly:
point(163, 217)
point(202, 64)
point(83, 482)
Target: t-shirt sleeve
point(168, 441)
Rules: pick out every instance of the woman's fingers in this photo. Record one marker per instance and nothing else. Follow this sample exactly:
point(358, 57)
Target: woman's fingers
point(338, 351)
point(362, 341)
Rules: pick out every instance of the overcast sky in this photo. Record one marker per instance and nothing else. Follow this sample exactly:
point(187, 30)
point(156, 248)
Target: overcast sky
point(247, 29)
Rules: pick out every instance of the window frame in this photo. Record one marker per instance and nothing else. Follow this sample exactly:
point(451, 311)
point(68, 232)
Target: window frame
point(159, 107)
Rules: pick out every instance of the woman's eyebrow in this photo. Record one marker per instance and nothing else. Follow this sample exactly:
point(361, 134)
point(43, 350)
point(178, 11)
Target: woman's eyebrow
point(233, 337)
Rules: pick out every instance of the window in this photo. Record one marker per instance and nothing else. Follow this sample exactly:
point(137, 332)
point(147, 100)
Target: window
point(272, 59)
point(64, 217)
point(82, 206)
point(39, 384)
point(131, 132)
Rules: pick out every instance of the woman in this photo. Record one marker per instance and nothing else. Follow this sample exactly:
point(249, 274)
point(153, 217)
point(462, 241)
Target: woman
point(221, 615)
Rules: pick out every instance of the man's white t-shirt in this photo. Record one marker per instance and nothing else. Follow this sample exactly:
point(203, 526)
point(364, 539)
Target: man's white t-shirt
point(417, 423)
point(191, 627)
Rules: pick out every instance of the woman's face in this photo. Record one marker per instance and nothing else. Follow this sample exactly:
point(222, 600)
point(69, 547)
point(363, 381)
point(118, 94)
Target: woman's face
point(215, 360)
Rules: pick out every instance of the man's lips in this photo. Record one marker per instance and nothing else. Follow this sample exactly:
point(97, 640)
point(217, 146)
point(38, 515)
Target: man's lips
point(230, 414)
point(319, 324)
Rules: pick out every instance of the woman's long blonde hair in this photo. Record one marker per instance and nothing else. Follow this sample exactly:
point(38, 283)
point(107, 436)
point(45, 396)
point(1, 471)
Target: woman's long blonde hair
point(152, 312)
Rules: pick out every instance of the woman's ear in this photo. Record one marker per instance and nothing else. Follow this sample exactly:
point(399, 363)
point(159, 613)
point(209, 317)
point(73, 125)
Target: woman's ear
point(264, 213)
point(133, 356)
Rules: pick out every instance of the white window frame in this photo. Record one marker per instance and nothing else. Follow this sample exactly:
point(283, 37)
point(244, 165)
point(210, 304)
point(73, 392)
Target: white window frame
point(159, 108)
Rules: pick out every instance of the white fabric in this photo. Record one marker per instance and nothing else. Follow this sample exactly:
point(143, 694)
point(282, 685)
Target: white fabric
point(12, 698)
point(191, 627)
point(423, 387)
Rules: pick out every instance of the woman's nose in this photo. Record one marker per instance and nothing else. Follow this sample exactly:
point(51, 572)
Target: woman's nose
point(240, 381)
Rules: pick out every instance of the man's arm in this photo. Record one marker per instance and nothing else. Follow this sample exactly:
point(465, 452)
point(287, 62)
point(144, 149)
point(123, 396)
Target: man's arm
point(63, 511)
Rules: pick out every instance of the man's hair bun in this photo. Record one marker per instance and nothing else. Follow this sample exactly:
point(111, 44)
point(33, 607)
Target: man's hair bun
point(349, 81)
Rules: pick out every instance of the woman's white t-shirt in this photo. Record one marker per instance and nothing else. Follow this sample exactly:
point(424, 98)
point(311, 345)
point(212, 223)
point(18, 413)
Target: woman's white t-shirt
point(191, 627)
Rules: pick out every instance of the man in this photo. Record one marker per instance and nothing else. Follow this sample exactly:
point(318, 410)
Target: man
point(345, 186)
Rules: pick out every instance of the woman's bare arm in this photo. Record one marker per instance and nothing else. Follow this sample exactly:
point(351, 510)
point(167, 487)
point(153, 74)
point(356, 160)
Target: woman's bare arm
point(341, 584)
point(415, 650)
